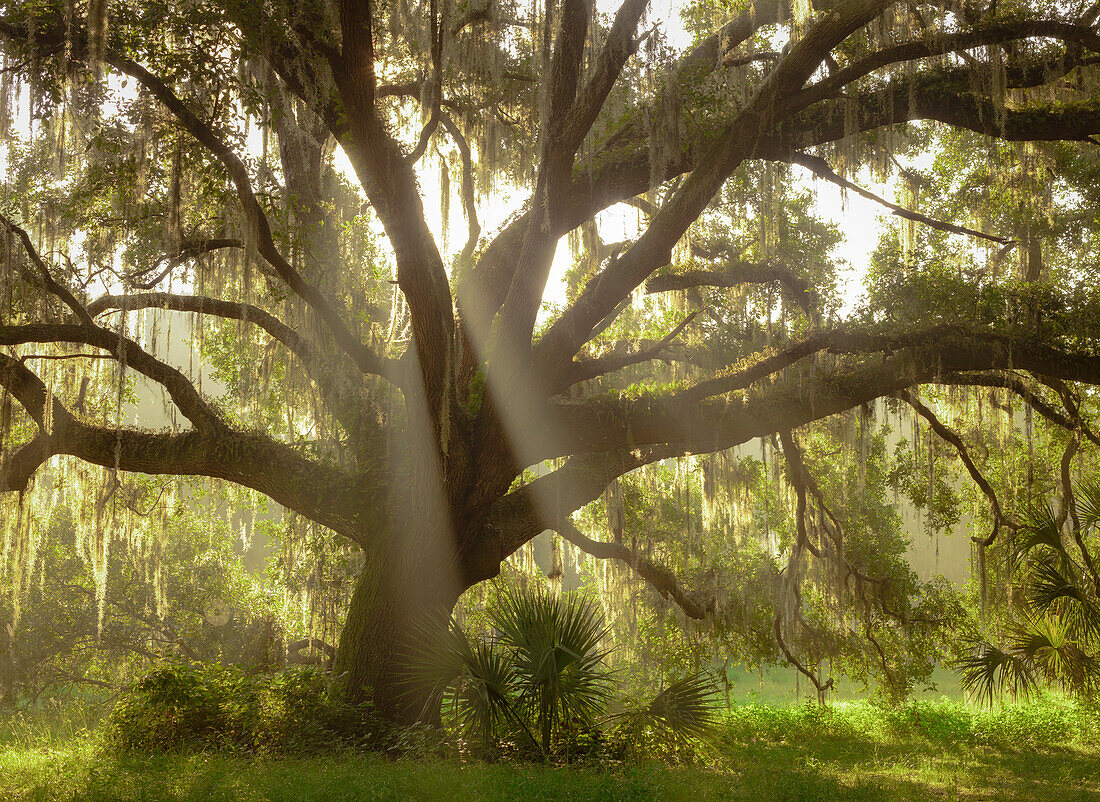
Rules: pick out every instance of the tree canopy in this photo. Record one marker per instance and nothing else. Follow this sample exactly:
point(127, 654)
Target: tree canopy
point(425, 396)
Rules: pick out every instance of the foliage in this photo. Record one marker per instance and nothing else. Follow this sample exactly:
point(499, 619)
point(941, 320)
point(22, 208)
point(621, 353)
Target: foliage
point(555, 646)
point(680, 716)
point(153, 604)
point(1053, 635)
point(1045, 749)
point(398, 393)
point(543, 666)
point(188, 708)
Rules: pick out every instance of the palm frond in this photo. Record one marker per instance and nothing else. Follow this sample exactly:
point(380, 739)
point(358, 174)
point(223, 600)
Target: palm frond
point(555, 642)
point(473, 680)
point(1050, 583)
point(1038, 531)
point(481, 698)
point(988, 671)
point(1087, 497)
point(1047, 645)
point(685, 709)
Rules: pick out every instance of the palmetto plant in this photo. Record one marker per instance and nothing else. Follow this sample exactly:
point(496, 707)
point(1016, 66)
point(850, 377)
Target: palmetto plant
point(544, 666)
point(681, 713)
point(1054, 635)
point(474, 680)
point(554, 643)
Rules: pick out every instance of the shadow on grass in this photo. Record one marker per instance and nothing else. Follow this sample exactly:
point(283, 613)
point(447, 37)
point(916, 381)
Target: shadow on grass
point(928, 771)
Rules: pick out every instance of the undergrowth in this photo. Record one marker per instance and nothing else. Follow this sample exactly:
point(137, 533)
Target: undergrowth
point(281, 737)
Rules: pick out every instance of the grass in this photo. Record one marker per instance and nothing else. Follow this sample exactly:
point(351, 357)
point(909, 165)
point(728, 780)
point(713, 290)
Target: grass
point(926, 750)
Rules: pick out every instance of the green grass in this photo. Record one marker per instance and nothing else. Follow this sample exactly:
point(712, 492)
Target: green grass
point(926, 750)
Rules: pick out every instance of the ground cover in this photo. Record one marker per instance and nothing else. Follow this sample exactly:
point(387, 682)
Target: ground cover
point(926, 750)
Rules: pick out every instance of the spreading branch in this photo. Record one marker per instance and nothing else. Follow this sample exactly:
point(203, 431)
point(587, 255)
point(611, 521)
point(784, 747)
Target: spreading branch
point(44, 277)
point(322, 493)
point(945, 433)
point(820, 167)
point(256, 220)
point(609, 363)
point(662, 579)
point(737, 272)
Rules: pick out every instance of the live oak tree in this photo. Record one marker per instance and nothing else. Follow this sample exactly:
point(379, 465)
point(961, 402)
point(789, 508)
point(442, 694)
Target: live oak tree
point(400, 409)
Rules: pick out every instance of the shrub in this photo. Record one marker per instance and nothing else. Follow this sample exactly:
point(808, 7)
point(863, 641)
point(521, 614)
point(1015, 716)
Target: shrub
point(196, 708)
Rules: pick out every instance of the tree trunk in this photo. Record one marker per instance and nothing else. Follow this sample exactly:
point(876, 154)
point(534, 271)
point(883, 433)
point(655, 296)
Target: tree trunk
point(398, 588)
point(374, 647)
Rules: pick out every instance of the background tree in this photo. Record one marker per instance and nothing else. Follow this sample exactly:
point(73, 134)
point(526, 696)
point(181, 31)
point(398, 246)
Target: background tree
point(402, 416)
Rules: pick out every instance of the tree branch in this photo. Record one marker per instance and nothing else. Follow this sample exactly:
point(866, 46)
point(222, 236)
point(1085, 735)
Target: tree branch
point(736, 143)
point(1013, 383)
point(821, 687)
point(256, 220)
point(945, 433)
point(127, 352)
point(469, 195)
point(798, 474)
point(737, 272)
point(188, 249)
point(334, 499)
point(996, 33)
point(662, 579)
point(821, 167)
point(794, 397)
point(47, 280)
point(609, 363)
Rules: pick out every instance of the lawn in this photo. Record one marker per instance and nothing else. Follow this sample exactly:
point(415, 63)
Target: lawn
point(1048, 750)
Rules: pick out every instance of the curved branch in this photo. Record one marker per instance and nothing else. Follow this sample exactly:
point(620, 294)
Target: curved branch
point(210, 306)
point(1014, 384)
point(821, 168)
point(996, 33)
point(952, 437)
point(127, 352)
point(469, 195)
point(256, 220)
point(47, 280)
point(662, 579)
point(1072, 404)
point(324, 494)
point(188, 249)
point(435, 16)
point(821, 687)
point(609, 363)
point(737, 272)
point(799, 476)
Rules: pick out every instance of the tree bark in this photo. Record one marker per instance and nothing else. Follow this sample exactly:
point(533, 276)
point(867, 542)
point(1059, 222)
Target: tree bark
point(387, 609)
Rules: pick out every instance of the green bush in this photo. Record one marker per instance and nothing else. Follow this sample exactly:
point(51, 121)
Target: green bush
point(190, 708)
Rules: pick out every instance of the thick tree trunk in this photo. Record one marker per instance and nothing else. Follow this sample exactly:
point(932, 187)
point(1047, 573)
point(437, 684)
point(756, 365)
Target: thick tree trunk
point(386, 608)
